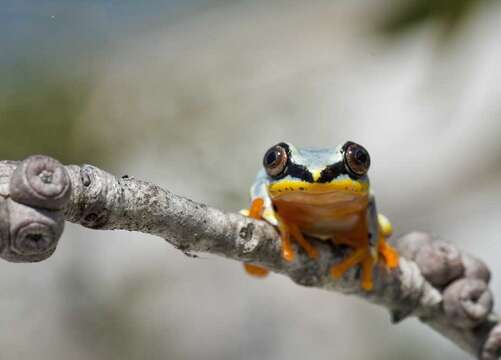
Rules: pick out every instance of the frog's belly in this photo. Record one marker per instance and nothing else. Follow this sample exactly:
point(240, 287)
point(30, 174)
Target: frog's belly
point(323, 220)
point(326, 228)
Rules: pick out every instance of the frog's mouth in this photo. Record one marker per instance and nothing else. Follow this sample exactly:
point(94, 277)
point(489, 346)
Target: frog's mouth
point(335, 192)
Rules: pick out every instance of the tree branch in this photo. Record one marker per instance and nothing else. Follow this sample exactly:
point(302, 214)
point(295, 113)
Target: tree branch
point(443, 287)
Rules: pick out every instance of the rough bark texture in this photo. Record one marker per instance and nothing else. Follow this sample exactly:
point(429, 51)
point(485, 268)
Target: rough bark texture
point(443, 287)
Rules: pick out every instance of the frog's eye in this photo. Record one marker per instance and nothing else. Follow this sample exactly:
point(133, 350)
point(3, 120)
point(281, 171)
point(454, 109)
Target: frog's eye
point(275, 160)
point(356, 159)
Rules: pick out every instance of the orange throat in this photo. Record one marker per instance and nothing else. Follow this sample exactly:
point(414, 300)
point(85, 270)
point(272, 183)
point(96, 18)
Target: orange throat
point(322, 214)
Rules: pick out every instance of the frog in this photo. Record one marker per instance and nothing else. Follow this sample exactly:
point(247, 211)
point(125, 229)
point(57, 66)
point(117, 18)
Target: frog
point(325, 194)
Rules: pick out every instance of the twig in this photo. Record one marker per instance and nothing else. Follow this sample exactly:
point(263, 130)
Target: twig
point(443, 287)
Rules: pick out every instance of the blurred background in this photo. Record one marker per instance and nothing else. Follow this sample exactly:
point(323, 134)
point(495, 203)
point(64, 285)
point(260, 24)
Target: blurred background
point(189, 94)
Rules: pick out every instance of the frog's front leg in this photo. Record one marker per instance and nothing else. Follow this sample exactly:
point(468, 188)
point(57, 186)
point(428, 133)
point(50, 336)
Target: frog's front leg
point(285, 238)
point(290, 231)
point(305, 244)
point(256, 212)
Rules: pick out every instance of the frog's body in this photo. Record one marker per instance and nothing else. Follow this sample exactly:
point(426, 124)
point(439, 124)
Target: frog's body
point(324, 194)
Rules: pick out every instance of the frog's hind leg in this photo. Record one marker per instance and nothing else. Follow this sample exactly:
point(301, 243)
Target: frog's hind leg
point(256, 212)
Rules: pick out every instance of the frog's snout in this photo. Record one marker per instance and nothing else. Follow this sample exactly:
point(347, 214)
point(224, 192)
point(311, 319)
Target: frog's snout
point(316, 173)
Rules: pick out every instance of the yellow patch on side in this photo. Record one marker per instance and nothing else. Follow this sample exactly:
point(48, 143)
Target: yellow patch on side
point(385, 225)
point(269, 215)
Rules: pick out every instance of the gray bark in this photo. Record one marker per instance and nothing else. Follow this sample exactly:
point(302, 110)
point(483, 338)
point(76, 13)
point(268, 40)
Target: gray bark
point(445, 288)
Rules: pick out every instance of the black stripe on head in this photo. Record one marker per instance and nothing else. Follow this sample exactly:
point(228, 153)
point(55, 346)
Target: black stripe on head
point(333, 171)
point(295, 170)
point(299, 171)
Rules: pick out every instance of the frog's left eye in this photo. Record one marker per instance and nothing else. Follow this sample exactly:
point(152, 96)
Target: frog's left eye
point(275, 160)
point(356, 158)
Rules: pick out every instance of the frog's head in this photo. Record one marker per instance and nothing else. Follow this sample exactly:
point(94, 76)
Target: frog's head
point(317, 176)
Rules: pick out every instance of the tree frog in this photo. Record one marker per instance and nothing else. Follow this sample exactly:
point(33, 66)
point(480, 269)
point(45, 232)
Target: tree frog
point(325, 194)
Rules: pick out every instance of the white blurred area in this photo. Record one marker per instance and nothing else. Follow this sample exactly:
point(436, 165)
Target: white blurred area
point(193, 107)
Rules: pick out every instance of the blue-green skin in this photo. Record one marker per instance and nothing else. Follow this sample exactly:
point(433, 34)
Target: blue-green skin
point(315, 159)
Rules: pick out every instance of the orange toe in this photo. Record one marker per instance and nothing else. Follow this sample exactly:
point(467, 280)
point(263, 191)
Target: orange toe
point(287, 252)
point(389, 255)
point(256, 209)
point(367, 266)
point(255, 270)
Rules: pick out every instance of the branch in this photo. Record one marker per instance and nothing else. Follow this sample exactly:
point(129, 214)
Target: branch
point(444, 288)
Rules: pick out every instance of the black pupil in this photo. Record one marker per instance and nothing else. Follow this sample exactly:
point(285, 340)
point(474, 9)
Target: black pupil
point(361, 156)
point(272, 157)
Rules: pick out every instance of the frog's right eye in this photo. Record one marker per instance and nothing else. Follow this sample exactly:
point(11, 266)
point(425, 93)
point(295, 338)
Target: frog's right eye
point(356, 158)
point(275, 160)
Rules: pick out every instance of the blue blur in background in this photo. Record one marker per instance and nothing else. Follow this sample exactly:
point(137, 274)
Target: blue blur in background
point(189, 95)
